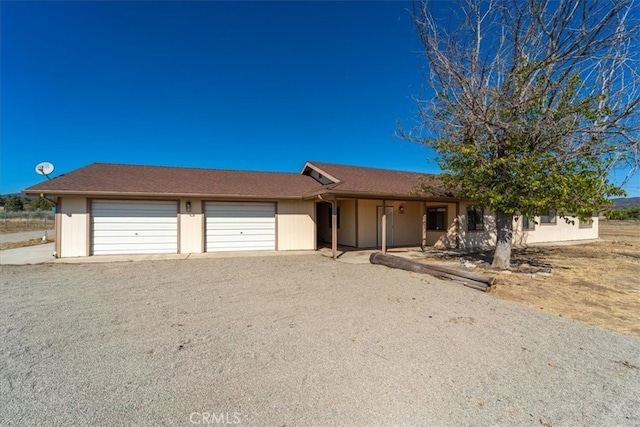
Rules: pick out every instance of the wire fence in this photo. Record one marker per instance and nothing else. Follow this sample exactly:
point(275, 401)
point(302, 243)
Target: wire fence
point(37, 218)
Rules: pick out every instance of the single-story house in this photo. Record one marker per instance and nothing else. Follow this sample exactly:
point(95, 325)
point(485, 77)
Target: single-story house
point(104, 209)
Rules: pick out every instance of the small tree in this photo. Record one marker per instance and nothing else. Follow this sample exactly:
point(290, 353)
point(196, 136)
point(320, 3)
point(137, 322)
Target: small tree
point(37, 204)
point(13, 204)
point(534, 102)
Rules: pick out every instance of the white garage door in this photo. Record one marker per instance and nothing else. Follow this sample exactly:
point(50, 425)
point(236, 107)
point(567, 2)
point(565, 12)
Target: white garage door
point(233, 226)
point(134, 227)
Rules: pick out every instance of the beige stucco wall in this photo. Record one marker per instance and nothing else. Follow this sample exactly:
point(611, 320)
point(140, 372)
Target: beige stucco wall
point(74, 227)
point(407, 226)
point(368, 223)
point(296, 228)
point(296, 225)
point(191, 227)
point(445, 238)
point(559, 232)
point(348, 229)
point(477, 238)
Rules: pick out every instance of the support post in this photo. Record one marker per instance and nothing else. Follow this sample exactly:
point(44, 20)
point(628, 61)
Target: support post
point(457, 225)
point(384, 226)
point(423, 243)
point(58, 220)
point(334, 228)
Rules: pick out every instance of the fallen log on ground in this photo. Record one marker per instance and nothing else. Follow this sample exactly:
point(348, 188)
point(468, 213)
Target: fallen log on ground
point(472, 280)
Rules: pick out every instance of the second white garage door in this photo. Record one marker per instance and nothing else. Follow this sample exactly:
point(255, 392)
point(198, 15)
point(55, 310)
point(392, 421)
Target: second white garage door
point(234, 226)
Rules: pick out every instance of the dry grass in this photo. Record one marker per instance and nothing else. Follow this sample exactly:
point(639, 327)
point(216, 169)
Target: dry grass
point(595, 283)
point(18, 225)
point(620, 230)
point(22, 244)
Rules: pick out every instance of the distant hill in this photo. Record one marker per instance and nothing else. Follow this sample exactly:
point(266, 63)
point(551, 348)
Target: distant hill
point(627, 202)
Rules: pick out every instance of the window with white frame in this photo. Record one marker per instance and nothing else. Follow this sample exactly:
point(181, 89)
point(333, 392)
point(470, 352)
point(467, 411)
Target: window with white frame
point(475, 218)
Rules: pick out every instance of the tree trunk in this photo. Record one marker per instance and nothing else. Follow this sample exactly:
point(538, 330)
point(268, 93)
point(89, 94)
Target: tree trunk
point(421, 267)
point(504, 231)
point(472, 280)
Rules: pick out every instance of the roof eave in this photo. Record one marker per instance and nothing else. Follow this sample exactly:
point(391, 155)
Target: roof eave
point(146, 195)
point(378, 196)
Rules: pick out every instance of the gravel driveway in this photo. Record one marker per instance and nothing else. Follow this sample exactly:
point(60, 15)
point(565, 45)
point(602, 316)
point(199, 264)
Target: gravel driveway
point(294, 340)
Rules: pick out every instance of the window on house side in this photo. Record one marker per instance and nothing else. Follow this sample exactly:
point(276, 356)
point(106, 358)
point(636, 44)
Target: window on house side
point(528, 224)
point(437, 219)
point(585, 224)
point(475, 218)
point(548, 217)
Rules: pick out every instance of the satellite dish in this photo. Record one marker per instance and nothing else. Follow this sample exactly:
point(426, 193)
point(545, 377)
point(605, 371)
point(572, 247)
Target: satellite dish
point(44, 168)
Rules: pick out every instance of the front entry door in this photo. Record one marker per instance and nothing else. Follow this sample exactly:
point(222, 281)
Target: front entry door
point(389, 212)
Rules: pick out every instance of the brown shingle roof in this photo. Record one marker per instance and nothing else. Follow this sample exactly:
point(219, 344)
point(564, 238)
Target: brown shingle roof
point(106, 178)
point(149, 181)
point(365, 180)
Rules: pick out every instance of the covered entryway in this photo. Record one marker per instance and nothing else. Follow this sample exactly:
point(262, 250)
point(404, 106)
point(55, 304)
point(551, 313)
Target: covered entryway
point(134, 227)
point(240, 226)
point(323, 224)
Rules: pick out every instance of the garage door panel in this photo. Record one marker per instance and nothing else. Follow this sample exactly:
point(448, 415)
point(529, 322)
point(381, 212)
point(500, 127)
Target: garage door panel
point(242, 220)
point(133, 208)
point(134, 220)
point(231, 216)
point(149, 225)
point(134, 227)
point(130, 250)
point(243, 234)
point(267, 228)
point(120, 248)
point(244, 239)
point(237, 226)
point(133, 239)
point(135, 215)
point(255, 246)
point(240, 205)
point(241, 226)
point(132, 204)
point(124, 233)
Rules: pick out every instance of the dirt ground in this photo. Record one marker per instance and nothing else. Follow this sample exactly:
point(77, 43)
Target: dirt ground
point(294, 340)
point(596, 283)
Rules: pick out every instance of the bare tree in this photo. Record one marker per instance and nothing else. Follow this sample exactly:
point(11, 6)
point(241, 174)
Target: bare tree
point(534, 102)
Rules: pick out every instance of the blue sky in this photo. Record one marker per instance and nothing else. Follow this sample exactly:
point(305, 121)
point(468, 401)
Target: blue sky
point(232, 85)
point(243, 85)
